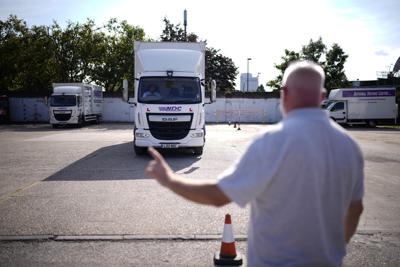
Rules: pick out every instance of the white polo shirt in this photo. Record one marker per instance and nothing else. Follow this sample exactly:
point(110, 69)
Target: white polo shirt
point(300, 177)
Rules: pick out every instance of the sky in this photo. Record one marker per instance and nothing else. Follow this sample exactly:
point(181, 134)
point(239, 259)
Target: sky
point(367, 30)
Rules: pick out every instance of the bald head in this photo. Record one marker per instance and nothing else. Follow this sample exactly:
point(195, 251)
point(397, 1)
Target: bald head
point(302, 86)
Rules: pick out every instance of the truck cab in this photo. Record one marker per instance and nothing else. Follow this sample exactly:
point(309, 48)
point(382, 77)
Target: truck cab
point(65, 105)
point(75, 103)
point(169, 96)
point(337, 111)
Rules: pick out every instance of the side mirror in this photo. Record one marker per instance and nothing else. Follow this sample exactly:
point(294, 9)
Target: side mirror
point(213, 97)
point(125, 90)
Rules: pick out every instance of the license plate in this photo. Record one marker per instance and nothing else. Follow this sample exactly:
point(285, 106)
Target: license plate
point(169, 145)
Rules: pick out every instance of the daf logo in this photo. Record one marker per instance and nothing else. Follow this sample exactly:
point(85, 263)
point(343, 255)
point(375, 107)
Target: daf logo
point(170, 108)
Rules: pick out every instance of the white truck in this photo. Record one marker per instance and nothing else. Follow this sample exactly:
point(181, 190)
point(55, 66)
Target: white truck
point(169, 96)
point(362, 105)
point(75, 103)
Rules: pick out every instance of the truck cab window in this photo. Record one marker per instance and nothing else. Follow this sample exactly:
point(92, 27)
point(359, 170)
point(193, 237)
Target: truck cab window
point(63, 101)
point(338, 106)
point(167, 90)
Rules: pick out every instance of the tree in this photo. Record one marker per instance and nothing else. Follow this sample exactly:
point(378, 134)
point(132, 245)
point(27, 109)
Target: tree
point(261, 88)
point(334, 67)
point(25, 56)
point(175, 33)
point(332, 61)
point(313, 51)
point(289, 57)
point(115, 59)
point(218, 67)
point(33, 58)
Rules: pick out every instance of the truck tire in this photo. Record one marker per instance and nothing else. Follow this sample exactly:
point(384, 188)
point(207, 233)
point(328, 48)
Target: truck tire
point(139, 150)
point(55, 126)
point(198, 151)
point(372, 124)
point(80, 122)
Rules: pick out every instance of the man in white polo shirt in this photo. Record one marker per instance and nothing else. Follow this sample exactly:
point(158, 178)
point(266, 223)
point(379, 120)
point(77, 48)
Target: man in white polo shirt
point(302, 177)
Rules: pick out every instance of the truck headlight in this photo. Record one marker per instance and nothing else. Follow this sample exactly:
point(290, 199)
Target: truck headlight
point(196, 135)
point(142, 135)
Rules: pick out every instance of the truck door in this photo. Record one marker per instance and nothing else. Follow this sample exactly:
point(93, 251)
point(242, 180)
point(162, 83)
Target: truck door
point(339, 112)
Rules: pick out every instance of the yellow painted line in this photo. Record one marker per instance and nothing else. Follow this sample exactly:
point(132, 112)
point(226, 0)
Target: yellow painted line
point(19, 190)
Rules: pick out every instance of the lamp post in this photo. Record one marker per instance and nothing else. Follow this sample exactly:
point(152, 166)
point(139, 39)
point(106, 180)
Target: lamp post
point(247, 84)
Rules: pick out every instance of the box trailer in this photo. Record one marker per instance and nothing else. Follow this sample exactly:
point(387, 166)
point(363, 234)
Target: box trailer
point(75, 103)
point(370, 106)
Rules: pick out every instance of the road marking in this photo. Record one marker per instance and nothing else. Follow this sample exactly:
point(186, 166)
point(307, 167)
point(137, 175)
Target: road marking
point(129, 237)
point(203, 237)
point(19, 190)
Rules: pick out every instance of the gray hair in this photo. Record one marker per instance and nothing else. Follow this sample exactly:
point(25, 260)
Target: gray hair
point(304, 66)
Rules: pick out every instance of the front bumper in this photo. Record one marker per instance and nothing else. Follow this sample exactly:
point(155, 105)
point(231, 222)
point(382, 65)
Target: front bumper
point(72, 120)
point(195, 138)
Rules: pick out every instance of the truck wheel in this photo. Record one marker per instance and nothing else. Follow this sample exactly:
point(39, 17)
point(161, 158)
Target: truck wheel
point(55, 126)
point(139, 150)
point(372, 124)
point(80, 122)
point(198, 151)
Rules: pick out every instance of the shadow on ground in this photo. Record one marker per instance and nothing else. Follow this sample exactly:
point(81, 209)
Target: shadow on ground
point(46, 127)
point(373, 129)
point(119, 162)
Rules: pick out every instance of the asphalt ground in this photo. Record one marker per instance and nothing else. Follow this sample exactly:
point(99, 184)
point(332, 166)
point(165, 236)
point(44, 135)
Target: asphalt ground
point(79, 197)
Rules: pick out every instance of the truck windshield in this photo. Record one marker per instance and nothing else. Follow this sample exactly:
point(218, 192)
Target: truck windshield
point(164, 90)
point(63, 101)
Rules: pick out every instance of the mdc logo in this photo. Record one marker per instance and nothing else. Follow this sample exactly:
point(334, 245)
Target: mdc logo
point(171, 108)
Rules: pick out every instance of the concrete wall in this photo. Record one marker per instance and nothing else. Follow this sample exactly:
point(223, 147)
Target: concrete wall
point(116, 110)
point(244, 110)
point(28, 109)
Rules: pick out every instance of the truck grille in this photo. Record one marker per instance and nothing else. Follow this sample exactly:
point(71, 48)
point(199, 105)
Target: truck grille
point(170, 130)
point(62, 117)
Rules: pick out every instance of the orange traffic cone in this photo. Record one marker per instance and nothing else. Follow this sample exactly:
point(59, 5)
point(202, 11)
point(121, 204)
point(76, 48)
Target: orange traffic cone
point(228, 255)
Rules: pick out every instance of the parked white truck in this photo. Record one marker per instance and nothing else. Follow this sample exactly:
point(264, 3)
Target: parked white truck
point(169, 96)
point(75, 103)
point(362, 105)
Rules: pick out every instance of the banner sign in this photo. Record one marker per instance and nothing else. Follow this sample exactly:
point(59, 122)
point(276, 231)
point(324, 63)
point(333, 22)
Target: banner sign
point(368, 93)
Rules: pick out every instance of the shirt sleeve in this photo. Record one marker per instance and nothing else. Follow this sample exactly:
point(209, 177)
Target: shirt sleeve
point(358, 190)
point(247, 178)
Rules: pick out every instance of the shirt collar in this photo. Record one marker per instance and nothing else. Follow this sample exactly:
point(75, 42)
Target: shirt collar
point(307, 113)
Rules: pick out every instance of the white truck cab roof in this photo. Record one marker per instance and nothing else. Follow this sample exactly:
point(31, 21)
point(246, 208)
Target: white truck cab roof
point(162, 57)
point(162, 60)
point(67, 90)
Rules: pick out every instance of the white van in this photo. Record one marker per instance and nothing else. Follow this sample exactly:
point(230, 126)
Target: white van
point(370, 106)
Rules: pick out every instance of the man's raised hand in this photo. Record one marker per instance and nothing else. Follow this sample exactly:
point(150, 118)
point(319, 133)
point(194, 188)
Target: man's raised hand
point(158, 168)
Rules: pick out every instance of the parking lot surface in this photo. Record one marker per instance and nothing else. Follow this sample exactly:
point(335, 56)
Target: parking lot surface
point(75, 195)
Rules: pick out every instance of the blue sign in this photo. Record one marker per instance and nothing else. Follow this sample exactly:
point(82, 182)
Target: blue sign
point(170, 108)
point(368, 93)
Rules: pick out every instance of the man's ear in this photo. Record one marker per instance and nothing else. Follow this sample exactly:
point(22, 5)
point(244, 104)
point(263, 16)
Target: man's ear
point(284, 90)
point(323, 94)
